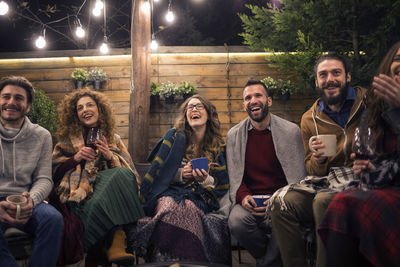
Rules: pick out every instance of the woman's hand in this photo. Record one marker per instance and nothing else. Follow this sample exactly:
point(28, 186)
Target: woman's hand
point(388, 89)
point(187, 172)
point(200, 175)
point(103, 148)
point(361, 165)
point(85, 153)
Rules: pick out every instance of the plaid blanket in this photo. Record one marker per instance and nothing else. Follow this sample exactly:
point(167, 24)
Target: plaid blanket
point(84, 176)
point(338, 179)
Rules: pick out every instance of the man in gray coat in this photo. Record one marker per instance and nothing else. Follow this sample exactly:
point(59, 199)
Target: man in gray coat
point(25, 171)
point(264, 153)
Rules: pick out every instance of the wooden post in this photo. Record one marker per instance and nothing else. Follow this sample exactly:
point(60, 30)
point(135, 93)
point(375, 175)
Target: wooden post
point(139, 108)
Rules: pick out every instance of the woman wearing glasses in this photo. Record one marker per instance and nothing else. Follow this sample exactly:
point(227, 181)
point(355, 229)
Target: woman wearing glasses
point(179, 199)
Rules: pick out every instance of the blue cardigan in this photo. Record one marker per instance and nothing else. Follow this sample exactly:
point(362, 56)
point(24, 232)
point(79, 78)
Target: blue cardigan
point(166, 158)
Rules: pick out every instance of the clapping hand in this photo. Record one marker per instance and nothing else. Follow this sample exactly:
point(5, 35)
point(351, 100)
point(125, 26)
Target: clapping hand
point(388, 89)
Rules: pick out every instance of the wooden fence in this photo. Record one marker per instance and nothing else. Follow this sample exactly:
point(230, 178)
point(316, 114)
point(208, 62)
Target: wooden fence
point(219, 73)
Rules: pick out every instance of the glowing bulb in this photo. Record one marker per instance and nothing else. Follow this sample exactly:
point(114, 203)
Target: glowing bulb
point(146, 6)
point(99, 5)
point(96, 12)
point(3, 8)
point(80, 32)
point(153, 45)
point(104, 48)
point(40, 42)
point(170, 16)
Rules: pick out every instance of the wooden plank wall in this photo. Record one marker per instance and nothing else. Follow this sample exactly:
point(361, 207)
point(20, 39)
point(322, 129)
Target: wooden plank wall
point(219, 76)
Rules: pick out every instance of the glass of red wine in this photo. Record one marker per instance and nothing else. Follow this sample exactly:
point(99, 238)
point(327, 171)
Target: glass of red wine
point(93, 135)
point(364, 143)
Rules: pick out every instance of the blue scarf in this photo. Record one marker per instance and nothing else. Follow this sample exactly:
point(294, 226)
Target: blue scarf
point(166, 158)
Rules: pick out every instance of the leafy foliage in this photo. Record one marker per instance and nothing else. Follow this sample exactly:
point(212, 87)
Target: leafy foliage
point(169, 89)
point(79, 75)
point(186, 88)
point(43, 112)
point(97, 74)
point(361, 29)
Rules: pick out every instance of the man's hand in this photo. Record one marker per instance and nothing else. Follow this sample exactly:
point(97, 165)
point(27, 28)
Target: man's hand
point(249, 204)
point(8, 212)
point(318, 155)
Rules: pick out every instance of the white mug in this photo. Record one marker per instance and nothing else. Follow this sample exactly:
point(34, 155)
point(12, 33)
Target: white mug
point(19, 201)
point(329, 140)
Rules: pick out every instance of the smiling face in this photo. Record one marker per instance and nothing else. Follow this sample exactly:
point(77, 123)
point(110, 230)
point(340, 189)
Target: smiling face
point(332, 81)
point(256, 102)
point(395, 67)
point(196, 114)
point(14, 106)
point(88, 112)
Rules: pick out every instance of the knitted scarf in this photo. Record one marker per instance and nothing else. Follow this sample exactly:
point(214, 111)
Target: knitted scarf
point(84, 175)
point(166, 158)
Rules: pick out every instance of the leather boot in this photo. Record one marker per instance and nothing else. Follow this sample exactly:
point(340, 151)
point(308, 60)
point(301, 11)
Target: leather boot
point(117, 253)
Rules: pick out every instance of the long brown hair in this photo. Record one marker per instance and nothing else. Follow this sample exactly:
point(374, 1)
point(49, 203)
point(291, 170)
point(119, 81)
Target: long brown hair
point(69, 124)
point(376, 105)
point(212, 138)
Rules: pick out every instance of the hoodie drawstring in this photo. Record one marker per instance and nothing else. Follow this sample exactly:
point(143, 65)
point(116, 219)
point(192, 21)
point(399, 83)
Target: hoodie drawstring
point(315, 123)
point(15, 175)
point(2, 157)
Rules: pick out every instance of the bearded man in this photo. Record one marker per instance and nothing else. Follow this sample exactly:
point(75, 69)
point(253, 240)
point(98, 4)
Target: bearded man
point(264, 153)
point(338, 112)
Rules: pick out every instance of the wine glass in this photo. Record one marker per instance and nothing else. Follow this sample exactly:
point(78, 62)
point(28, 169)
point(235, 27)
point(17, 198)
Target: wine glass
point(93, 135)
point(364, 143)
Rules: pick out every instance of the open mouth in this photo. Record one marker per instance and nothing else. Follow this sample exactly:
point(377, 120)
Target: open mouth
point(195, 117)
point(87, 116)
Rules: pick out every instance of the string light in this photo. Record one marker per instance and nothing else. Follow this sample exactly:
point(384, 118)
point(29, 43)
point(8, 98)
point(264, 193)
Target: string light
point(41, 41)
point(99, 4)
point(3, 8)
point(146, 7)
point(96, 12)
point(170, 15)
point(80, 32)
point(104, 48)
point(153, 44)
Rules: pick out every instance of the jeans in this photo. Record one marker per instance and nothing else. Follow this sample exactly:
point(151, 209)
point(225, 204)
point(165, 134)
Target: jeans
point(46, 225)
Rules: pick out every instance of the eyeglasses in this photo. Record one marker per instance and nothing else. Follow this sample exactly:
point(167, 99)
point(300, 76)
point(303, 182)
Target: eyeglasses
point(197, 106)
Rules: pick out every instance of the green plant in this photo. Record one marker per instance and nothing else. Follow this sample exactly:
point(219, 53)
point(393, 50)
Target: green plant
point(43, 112)
point(169, 89)
point(97, 74)
point(271, 84)
point(186, 88)
point(286, 86)
point(154, 89)
point(79, 75)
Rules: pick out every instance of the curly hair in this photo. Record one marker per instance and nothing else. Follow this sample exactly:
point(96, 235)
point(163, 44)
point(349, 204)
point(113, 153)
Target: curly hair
point(69, 123)
point(376, 105)
point(212, 140)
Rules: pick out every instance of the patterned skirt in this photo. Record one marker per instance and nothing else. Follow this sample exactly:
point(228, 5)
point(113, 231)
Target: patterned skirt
point(114, 202)
point(181, 231)
point(372, 217)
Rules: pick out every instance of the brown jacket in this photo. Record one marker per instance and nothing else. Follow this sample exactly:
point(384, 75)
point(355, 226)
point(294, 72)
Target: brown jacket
point(315, 122)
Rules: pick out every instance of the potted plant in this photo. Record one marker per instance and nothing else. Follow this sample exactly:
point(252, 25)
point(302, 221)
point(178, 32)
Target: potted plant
point(154, 93)
point(286, 88)
point(97, 77)
point(169, 90)
point(271, 84)
point(186, 89)
point(79, 77)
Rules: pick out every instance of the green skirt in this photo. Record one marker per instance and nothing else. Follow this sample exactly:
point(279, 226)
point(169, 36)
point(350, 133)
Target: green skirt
point(114, 202)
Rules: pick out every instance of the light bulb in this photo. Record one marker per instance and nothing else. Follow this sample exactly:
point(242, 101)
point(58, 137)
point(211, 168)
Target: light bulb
point(146, 6)
point(40, 42)
point(99, 5)
point(3, 8)
point(153, 45)
point(80, 32)
point(156, 1)
point(104, 48)
point(170, 16)
point(96, 12)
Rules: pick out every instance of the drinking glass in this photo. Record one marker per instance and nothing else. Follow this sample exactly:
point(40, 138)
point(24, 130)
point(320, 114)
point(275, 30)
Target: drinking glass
point(364, 143)
point(93, 135)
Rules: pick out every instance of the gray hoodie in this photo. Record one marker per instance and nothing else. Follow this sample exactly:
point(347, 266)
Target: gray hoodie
point(25, 161)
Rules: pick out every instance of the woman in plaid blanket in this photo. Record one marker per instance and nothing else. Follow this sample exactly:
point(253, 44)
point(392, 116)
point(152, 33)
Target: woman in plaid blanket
point(98, 183)
point(180, 200)
point(361, 226)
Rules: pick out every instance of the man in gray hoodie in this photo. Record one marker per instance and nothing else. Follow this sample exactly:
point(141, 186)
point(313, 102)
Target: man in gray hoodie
point(25, 169)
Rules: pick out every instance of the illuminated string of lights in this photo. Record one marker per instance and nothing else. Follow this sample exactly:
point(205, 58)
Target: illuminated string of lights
point(99, 8)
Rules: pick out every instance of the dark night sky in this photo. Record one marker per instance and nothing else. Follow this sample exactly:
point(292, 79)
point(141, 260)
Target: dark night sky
point(214, 22)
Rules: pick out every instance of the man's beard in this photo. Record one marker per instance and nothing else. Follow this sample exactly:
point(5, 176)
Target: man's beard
point(21, 110)
point(333, 100)
point(264, 113)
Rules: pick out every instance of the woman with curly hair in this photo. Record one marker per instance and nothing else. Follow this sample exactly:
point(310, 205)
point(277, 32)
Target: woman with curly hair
point(97, 183)
point(180, 200)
